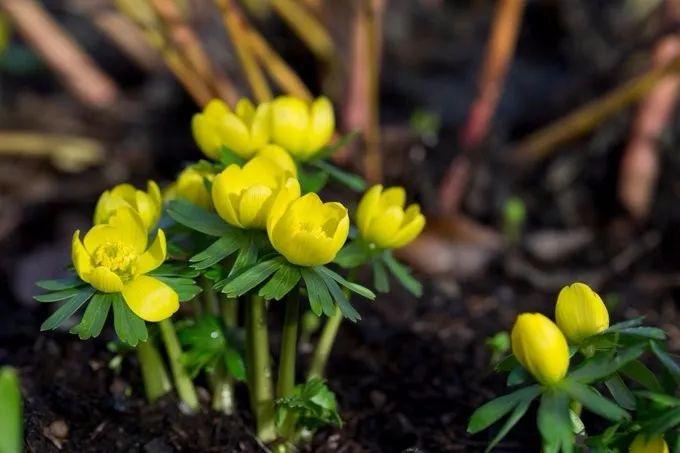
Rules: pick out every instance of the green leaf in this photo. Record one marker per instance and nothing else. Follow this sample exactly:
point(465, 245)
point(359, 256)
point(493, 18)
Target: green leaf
point(312, 404)
point(343, 304)
point(251, 277)
point(185, 288)
point(512, 420)
point(171, 269)
point(56, 296)
point(659, 398)
point(283, 281)
point(196, 218)
point(624, 325)
point(228, 157)
point(354, 182)
point(59, 284)
point(11, 420)
point(129, 327)
point(554, 421)
point(403, 274)
point(217, 251)
point(593, 401)
point(355, 288)
point(319, 298)
point(68, 309)
point(665, 422)
point(234, 362)
point(604, 365)
point(517, 376)
point(312, 181)
point(620, 391)
point(352, 255)
point(93, 320)
point(646, 332)
point(638, 372)
point(666, 360)
point(380, 281)
point(492, 411)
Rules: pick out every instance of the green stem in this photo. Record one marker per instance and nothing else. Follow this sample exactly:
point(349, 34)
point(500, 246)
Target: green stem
point(260, 375)
point(223, 399)
point(155, 377)
point(324, 346)
point(229, 309)
point(183, 383)
point(286, 381)
point(210, 301)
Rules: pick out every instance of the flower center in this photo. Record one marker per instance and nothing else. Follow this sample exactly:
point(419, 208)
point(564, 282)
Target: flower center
point(118, 257)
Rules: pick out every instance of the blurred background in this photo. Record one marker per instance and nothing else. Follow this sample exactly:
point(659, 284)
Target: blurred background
point(541, 138)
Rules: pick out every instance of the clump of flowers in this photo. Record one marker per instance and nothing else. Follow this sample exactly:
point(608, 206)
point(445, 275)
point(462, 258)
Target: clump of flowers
point(573, 364)
point(246, 232)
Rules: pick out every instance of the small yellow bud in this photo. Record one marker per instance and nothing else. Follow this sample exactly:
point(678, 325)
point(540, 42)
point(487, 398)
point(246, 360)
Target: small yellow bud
point(580, 312)
point(147, 204)
point(382, 220)
point(243, 131)
point(243, 196)
point(305, 230)
point(540, 347)
point(191, 186)
point(643, 444)
point(301, 127)
point(280, 156)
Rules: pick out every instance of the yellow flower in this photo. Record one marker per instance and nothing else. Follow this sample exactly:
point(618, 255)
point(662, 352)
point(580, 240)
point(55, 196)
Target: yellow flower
point(652, 444)
point(113, 257)
point(280, 156)
point(190, 186)
point(301, 127)
point(243, 195)
point(305, 230)
point(540, 347)
point(147, 204)
point(382, 220)
point(580, 312)
point(243, 131)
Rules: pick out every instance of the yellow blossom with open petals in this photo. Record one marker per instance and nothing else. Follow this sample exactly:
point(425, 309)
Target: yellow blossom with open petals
point(243, 131)
point(383, 221)
point(243, 196)
point(302, 127)
point(191, 186)
point(651, 444)
point(113, 257)
point(580, 312)
point(540, 347)
point(147, 204)
point(305, 230)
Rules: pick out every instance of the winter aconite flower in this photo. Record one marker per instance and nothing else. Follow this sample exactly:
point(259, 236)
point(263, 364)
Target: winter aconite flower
point(301, 127)
point(580, 312)
point(147, 204)
point(191, 186)
point(540, 347)
point(242, 131)
point(280, 156)
point(305, 230)
point(244, 195)
point(382, 220)
point(113, 257)
point(651, 444)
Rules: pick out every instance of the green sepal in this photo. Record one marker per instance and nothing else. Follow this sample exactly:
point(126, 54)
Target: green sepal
point(554, 422)
point(492, 411)
point(228, 157)
point(320, 300)
point(354, 287)
point(92, 322)
point(252, 277)
point(603, 365)
point(338, 296)
point(353, 255)
point(593, 401)
point(282, 282)
point(129, 327)
point(402, 274)
point(56, 296)
point(68, 309)
point(198, 219)
point(217, 251)
point(186, 288)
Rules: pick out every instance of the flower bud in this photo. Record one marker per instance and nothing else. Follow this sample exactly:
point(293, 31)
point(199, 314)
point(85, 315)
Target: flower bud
point(382, 220)
point(279, 156)
point(580, 312)
point(147, 204)
point(190, 186)
point(651, 444)
point(540, 347)
point(301, 127)
point(243, 131)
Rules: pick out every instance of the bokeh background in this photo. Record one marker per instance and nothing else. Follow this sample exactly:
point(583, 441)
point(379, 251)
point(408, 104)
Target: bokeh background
point(541, 138)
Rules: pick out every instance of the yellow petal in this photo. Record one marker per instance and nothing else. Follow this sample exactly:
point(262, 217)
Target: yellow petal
point(150, 299)
point(191, 186)
point(289, 192)
point(279, 156)
point(254, 205)
point(321, 127)
point(154, 256)
point(147, 209)
point(540, 347)
point(648, 444)
point(393, 196)
point(245, 110)
point(260, 170)
point(221, 194)
point(155, 193)
point(206, 135)
point(107, 205)
point(81, 259)
point(384, 227)
point(260, 126)
point(341, 228)
point(413, 224)
point(131, 226)
point(290, 123)
point(216, 109)
point(368, 208)
point(104, 280)
point(235, 135)
point(580, 312)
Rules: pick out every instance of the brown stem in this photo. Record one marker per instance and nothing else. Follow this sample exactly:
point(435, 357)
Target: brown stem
point(61, 53)
point(307, 27)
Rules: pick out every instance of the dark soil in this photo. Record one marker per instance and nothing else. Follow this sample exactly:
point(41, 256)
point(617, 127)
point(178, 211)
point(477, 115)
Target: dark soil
point(408, 376)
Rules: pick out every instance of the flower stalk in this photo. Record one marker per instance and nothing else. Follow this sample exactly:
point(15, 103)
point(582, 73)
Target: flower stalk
point(223, 384)
point(286, 381)
point(325, 345)
point(156, 380)
point(183, 383)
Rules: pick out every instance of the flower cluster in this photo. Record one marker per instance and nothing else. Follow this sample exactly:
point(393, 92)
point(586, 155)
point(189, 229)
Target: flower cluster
point(568, 360)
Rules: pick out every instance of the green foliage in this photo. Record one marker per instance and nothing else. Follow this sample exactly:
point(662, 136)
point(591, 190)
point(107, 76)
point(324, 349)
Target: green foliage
point(74, 303)
point(196, 218)
point(312, 404)
point(554, 422)
point(11, 424)
point(129, 327)
point(499, 345)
